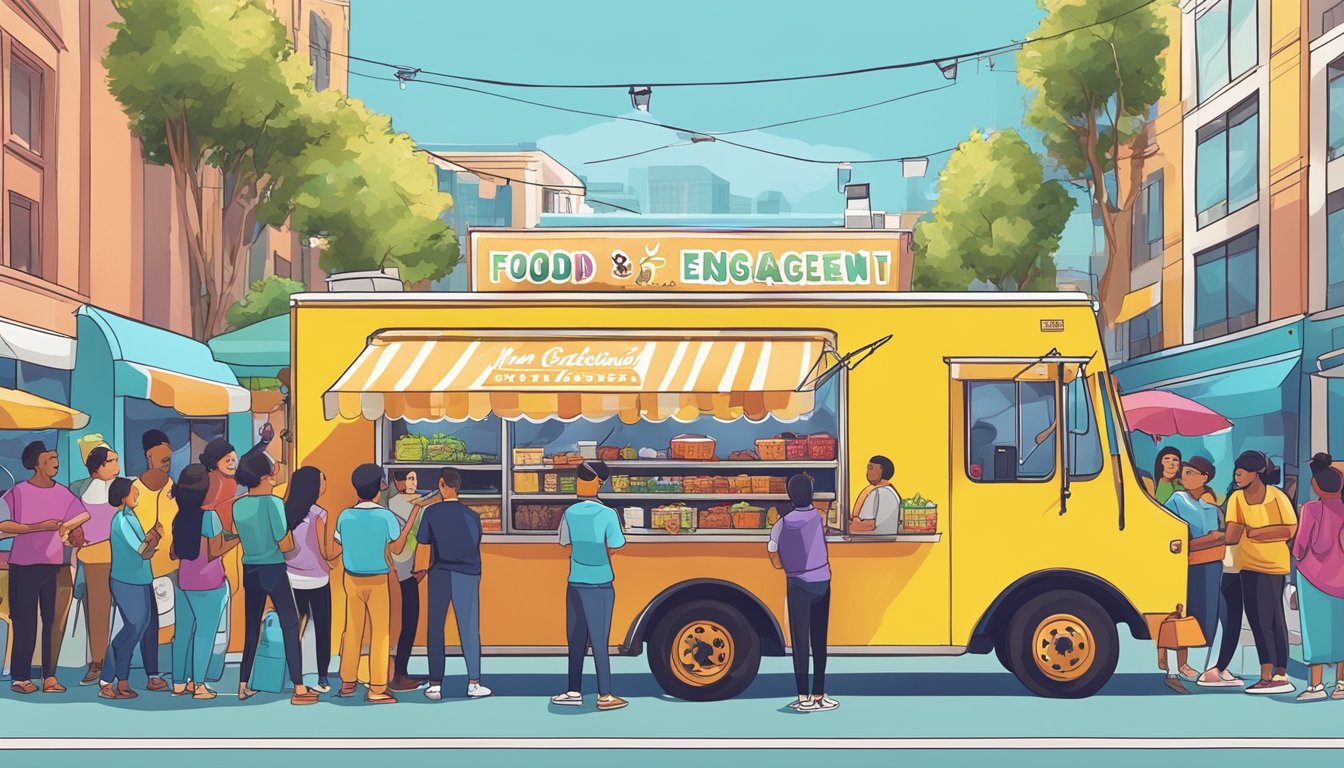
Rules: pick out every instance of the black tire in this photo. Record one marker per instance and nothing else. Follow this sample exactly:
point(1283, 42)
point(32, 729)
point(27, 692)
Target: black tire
point(1068, 646)
point(1001, 649)
point(746, 651)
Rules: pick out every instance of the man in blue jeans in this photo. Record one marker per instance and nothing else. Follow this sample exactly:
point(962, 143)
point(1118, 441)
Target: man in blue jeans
point(452, 531)
point(591, 530)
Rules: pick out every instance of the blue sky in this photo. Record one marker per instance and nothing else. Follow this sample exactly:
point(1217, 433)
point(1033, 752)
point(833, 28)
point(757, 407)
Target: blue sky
point(609, 41)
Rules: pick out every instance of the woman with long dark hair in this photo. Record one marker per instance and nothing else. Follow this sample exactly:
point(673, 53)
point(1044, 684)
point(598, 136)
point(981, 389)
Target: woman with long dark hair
point(1319, 551)
point(132, 547)
point(1260, 521)
point(309, 563)
point(202, 594)
point(1166, 474)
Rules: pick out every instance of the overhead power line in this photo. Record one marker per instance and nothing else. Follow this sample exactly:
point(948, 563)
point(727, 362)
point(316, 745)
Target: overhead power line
point(939, 61)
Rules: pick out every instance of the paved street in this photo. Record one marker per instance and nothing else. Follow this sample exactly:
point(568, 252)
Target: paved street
point(938, 704)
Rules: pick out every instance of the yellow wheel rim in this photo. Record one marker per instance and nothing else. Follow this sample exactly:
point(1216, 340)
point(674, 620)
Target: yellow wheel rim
point(702, 653)
point(1063, 647)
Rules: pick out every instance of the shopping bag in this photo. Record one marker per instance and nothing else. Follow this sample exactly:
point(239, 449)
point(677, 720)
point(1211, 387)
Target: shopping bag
point(268, 671)
point(1180, 631)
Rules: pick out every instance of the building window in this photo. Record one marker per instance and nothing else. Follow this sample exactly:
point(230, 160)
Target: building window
point(1012, 431)
point(1335, 109)
point(319, 50)
point(25, 244)
point(1147, 238)
point(1145, 332)
point(1334, 250)
point(1226, 286)
point(1227, 163)
point(25, 103)
point(1225, 43)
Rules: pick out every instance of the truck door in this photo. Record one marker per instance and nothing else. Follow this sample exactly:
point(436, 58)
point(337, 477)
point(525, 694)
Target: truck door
point(1017, 507)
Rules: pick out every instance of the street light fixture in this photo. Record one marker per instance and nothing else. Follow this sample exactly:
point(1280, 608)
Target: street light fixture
point(843, 173)
point(914, 167)
point(639, 97)
point(405, 75)
point(948, 68)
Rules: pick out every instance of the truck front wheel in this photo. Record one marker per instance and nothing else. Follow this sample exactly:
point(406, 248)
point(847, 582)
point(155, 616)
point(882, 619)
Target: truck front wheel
point(1063, 645)
point(704, 650)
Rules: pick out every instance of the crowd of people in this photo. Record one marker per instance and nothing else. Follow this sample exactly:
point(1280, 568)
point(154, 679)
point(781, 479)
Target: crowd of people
point(126, 533)
point(1243, 551)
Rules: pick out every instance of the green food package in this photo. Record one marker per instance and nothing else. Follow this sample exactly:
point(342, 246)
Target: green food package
point(410, 448)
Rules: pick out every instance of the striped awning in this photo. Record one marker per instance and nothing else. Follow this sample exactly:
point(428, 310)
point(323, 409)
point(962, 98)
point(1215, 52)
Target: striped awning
point(24, 410)
point(426, 375)
point(188, 395)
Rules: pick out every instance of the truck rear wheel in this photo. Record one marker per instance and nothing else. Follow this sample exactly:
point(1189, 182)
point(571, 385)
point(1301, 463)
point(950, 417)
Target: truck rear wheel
point(704, 650)
point(1063, 645)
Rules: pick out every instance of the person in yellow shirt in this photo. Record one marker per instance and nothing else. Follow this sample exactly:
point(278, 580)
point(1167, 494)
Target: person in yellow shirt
point(156, 508)
point(1260, 521)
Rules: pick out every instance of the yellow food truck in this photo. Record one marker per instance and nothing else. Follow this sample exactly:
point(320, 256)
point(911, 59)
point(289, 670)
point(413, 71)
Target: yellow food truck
point(1025, 530)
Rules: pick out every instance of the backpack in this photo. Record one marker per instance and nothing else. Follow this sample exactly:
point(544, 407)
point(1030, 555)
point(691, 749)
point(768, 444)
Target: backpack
point(268, 670)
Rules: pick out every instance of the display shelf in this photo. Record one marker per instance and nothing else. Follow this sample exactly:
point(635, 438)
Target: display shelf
point(435, 465)
point(483, 496)
point(706, 465)
point(725, 497)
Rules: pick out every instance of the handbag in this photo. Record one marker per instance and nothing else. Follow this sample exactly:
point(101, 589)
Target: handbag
point(1180, 631)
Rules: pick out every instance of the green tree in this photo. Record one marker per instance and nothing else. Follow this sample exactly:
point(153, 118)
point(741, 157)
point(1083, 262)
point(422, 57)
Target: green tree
point(997, 219)
point(1095, 89)
point(214, 90)
point(266, 298)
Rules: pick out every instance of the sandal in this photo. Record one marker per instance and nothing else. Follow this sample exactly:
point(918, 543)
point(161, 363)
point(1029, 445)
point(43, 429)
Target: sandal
point(24, 687)
point(1174, 683)
point(300, 699)
point(50, 685)
point(245, 693)
point(203, 693)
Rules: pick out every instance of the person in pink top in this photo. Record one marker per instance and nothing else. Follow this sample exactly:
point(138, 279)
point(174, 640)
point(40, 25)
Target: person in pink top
point(1319, 552)
point(309, 563)
point(43, 514)
point(199, 541)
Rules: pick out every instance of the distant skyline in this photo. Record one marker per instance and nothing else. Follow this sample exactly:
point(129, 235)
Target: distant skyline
point(693, 40)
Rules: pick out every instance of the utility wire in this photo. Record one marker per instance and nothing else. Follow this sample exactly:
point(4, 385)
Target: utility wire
point(834, 114)
point(941, 60)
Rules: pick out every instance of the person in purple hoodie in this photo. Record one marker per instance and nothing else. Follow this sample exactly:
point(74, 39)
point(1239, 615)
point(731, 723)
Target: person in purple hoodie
point(798, 546)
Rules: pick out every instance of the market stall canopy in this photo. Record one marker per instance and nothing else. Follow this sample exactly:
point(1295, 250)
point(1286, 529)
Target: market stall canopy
point(1162, 414)
point(1140, 301)
point(153, 364)
point(428, 375)
point(22, 410)
point(259, 350)
point(32, 345)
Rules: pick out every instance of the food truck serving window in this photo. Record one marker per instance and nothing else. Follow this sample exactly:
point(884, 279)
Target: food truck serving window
point(700, 432)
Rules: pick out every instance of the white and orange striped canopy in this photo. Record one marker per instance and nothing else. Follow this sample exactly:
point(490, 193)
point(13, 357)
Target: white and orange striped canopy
point(429, 375)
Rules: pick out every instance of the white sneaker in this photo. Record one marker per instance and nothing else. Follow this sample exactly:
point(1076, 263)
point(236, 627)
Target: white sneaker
point(1313, 693)
point(1214, 678)
point(568, 699)
point(824, 704)
point(434, 693)
point(477, 691)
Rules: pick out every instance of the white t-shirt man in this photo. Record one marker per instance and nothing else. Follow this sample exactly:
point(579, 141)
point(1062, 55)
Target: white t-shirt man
point(883, 506)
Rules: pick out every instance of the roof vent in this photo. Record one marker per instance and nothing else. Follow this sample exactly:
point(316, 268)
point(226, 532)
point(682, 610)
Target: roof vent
point(372, 281)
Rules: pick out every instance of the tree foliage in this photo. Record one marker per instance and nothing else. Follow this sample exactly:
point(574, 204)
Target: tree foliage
point(215, 90)
point(266, 298)
point(997, 219)
point(1095, 89)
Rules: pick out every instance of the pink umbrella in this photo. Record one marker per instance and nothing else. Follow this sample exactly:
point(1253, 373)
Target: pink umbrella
point(1162, 414)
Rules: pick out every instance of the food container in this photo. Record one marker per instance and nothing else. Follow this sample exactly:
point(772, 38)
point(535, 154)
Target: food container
point(486, 511)
point(722, 486)
point(771, 449)
point(537, 517)
point(716, 517)
point(526, 482)
point(779, 486)
point(628, 453)
point(660, 455)
point(636, 517)
point(918, 515)
point(550, 483)
point(492, 525)
point(609, 453)
point(821, 447)
point(747, 519)
point(741, 483)
point(620, 483)
point(647, 453)
point(795, 447)
point(568, 484)
point(666, 518)
point(410, 448)
point(692, 448)
point(588, 449)
point(689, 519)
point(445, 448)
point(528, 457)
point(760, 484)
point(744, 456)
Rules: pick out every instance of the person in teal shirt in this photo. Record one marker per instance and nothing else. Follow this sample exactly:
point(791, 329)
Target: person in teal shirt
point(590, 529)
point(259, 521)
point(131, 579)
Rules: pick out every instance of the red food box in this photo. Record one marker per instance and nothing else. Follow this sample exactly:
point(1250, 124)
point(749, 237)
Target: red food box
point(795, 447)
point(821, 447)
point(716, 519)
